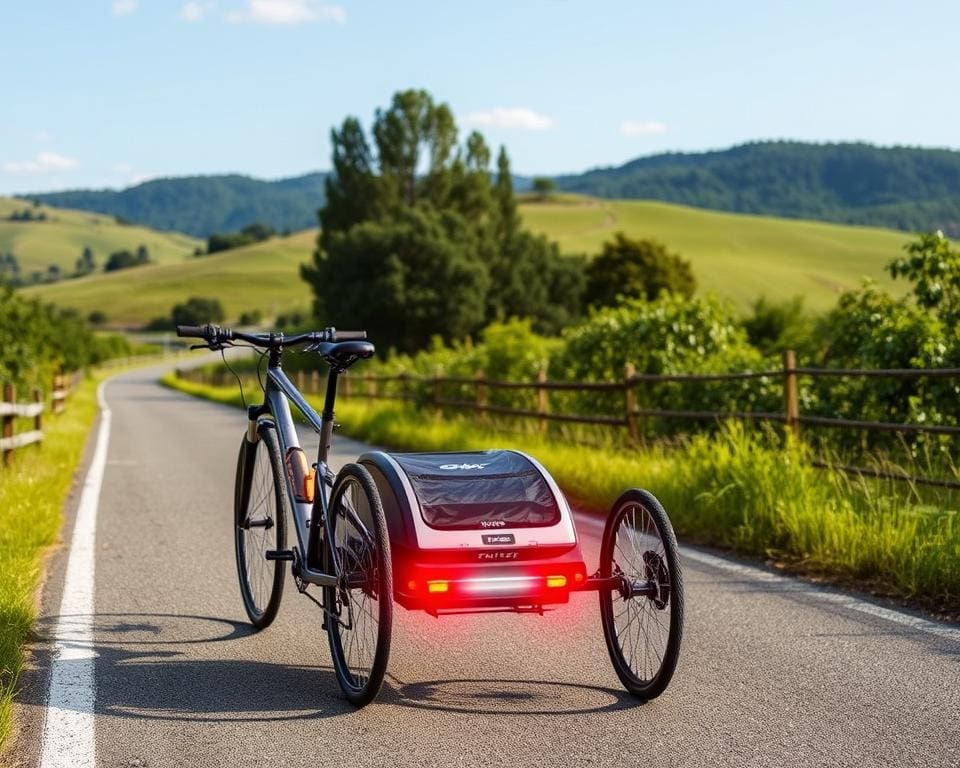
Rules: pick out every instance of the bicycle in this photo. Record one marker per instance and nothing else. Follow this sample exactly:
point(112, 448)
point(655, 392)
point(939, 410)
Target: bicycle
point(463, 532)
point(341, 542)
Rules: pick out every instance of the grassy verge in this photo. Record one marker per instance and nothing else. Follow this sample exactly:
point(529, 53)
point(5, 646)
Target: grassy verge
point(731, 491)
point(33, 490)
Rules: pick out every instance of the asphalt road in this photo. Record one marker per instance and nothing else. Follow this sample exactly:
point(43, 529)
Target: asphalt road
point(772, 671)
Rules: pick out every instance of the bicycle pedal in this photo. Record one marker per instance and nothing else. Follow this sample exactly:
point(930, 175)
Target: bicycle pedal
point(279, 554)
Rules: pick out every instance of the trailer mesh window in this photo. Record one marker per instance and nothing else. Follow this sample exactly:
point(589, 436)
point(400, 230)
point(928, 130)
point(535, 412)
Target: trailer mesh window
point(480, 490)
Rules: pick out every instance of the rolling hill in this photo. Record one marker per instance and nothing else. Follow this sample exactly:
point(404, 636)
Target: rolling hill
point(61, 238)
point(908, 188)
point(263, 276)
point(735, 256)
point(202, 205)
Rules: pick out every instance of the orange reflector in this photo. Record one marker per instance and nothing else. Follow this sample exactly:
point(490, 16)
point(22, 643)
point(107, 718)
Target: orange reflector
point(411, 585)
point(437, 586)
point(556, 581)
point(578, 577)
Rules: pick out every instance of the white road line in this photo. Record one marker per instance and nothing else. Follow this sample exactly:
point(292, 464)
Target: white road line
point(68, 728)
point(849, 602)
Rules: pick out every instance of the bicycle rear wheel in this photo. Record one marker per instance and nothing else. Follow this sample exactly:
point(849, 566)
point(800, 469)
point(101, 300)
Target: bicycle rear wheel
point(260, 525)
point(643, 620)
point(359, 610)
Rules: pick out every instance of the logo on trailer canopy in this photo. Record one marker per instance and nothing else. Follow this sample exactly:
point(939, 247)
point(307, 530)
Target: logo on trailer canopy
point(462, 466)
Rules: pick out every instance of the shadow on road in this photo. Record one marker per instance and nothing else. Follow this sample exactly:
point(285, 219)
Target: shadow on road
point(512, 697)
point(143, 672)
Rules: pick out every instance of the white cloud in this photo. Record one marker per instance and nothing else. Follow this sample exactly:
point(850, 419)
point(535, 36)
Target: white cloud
point(287, 12)
point(43, 136)
point(194, 11)
point(124, 7)
point(123, 168)
point(44, 162)
point(509, 117)
point(641, 127)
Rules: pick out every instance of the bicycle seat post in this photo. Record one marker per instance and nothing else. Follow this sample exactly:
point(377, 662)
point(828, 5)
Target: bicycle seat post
point(326, 430)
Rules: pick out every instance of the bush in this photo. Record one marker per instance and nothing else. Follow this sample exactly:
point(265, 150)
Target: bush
point(35, 339)
point(252, 317)
point(636, 268)
point(197, 311)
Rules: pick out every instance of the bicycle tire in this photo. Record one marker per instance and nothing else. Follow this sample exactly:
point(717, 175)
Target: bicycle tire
point(366, 582)
point(259, 496)
point(651, 557)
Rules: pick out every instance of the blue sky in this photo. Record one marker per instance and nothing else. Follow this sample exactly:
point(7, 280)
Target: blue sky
point(108, 92)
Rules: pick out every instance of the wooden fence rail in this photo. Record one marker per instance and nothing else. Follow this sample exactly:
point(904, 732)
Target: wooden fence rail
point(431, 395)
point(11, 410)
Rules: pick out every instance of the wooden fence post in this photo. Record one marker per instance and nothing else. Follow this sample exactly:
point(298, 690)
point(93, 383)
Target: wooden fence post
point(301, 380)
point(438, 410)
point(56, 403)
point(371, 385)
point(314, 382)
point(404, 386)
point(480, 396)
point(345, 381)
point(543, 404)
point(8, 397)
point(630, 403)
point(38, 419)
point(791, 395)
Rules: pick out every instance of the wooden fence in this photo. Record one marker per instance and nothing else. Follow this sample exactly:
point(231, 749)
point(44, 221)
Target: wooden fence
point(11, 410)
point(428, 392)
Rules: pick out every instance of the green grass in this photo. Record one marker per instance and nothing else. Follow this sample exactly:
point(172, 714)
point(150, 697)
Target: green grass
point(735, 256)
point(264, 276)
point(733, 491)
point(62, 237)
point(32, 494)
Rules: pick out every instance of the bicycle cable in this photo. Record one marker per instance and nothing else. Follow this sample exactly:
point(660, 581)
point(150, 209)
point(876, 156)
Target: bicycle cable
point(223, 356)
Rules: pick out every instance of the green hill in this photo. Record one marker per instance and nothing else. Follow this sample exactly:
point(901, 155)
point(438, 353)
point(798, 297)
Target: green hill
point(264, 276)
point(909, 188)
point(202, 205)
point(62, 236)
point(736, 256)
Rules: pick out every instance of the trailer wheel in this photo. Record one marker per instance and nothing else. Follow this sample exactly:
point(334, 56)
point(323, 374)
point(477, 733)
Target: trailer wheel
point(643, 617)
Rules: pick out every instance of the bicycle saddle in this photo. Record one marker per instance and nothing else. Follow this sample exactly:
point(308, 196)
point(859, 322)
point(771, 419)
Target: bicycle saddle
point(340, 355)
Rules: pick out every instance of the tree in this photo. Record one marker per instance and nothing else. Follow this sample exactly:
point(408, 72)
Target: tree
point(407, 278)
point(143, 255)
point(642, 268)
point(197, 311)
point(120, 260)
point(252, 233)
point(776, 326)
point(934, 269)
point(85, 264)
point(416, 187)
point(544, 186)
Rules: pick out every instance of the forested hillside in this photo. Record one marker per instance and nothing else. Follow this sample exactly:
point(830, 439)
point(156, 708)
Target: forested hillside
point(904, 188)
point(201, 205)
point(901, 187)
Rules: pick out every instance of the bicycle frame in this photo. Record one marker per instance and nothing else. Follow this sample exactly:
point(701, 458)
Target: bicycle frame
point(278, 391)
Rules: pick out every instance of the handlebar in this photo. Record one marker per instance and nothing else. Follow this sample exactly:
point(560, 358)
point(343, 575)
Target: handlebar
point(216, 336)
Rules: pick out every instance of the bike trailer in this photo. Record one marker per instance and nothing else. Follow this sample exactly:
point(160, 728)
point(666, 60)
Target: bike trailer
point(476, 530)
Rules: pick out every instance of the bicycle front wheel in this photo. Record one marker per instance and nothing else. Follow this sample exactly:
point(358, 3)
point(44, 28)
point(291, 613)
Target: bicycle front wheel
point(359, 610)
point(260, 525)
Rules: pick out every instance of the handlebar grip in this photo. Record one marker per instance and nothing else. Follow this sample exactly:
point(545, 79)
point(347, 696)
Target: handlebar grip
point(195, 331)
point(350, 335)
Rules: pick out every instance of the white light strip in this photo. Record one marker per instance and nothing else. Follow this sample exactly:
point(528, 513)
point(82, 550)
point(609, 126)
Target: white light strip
point(498, 584)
